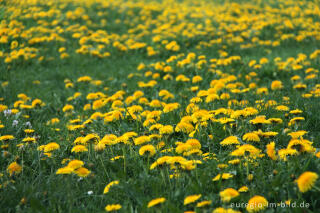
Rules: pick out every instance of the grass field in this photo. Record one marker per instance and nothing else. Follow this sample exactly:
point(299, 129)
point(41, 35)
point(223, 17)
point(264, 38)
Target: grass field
point(159, 106)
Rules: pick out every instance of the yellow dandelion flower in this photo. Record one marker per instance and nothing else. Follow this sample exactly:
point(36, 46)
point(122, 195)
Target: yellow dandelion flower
point(271, 152)
point(29, 139)
point(6, 137)
point(227, 194)
point(182, 147)
point(168, 129)
point(194, 143)
point(90, 137)
point(275, 120)
point(107, 188)
point(82, 172)
point(257, 203)
point(170, 107)
point(196, 79)
point(84, 79)
point(79, 148)
point(295, 120)
point(246, 149)
point(99, 147)
point(64, 170)
point(231, 140)
point(184, 127)
point(251, 136)
point(67, 108)
point(51, 147)
point(301, 145)
point(75, 164)
point(283, 153)
point(243, 189)
point(222, 166)
point(297, 134)
point(54, 121)
point(156, 201)
point(224, 176)
point(306, 181)
point(193, 151)
point(113, 207)
point(282, 108)
point(28, 131)
point(296, 111)
point(260, 120)
point(275, 85)
point(147, 148)
point(141, 140)
point(191, 198)
point(234, 162)
point(155, 103)
point(14, 168)
point(204, 203)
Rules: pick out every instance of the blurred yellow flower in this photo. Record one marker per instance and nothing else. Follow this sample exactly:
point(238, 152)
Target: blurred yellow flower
point(113, 207)
point(150, 149)
point(306, 181)
point(51, 147)
point(79, 148)
point(227, 194)
point(224, 176)
point(14, 168)
point(107, 188)
point(191, 198)
point(82, 172)
point(156, 201)
point(257, 203)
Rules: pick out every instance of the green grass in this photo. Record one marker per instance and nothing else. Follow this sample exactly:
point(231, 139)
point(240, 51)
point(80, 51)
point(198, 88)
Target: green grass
point(45, 191)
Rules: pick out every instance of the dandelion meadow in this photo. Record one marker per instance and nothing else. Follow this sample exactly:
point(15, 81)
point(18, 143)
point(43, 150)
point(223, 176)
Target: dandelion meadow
point(159, 106)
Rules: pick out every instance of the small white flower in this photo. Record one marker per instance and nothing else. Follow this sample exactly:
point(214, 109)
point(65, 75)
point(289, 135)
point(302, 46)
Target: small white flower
point(7, 112)
point(15, 123)
point(90, 192)
point(28, 124)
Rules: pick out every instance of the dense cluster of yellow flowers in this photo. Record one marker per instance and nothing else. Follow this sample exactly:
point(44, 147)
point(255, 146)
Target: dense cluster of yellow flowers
point(188, 111)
